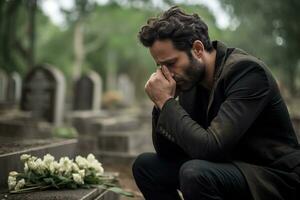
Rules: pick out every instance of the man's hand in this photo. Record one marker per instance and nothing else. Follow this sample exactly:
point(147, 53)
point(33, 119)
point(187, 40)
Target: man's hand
point(161, 86)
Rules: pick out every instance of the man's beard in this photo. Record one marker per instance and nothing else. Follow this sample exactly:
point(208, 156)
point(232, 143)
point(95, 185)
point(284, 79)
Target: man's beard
point(193, 74)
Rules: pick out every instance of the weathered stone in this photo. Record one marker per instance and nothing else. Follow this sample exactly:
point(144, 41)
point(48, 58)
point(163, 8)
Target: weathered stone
point(43, 94)
point(78, 194)
point(116, 158)
point(127, 90)
point(114, 143)
point(3, 85)
point(14, 88)
point(120, 123)
point(10, 158)
point(87, 144)
point(88, 92)
point(23, 129)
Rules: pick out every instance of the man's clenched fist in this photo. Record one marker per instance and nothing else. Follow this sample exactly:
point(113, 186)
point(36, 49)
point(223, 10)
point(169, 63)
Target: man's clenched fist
point(161, 86)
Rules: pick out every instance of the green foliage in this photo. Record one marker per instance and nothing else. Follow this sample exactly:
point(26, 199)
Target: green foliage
point(269, 30)
point(110, 38)
point(65, 132)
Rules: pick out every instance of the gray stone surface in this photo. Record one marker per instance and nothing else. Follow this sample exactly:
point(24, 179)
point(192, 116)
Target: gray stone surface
point(118, 123)
point(24, 128)
point(3, 85)
point(126, 89)
point(132, 141)
point(43, 94)
point(116, 158)
point(88, 92)
point(78, 194)
point(114, 143)
point(14, 87)
point(10, 159)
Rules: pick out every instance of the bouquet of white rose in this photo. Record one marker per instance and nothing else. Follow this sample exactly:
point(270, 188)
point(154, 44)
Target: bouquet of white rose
point(41, 174)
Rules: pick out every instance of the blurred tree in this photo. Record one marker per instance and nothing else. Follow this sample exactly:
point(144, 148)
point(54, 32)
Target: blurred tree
point(270, 30)
point(17, 51)
point(76, 19)
point(99, 37)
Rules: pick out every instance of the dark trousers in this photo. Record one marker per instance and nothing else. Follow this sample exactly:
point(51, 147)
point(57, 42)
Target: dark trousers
point(159, 179)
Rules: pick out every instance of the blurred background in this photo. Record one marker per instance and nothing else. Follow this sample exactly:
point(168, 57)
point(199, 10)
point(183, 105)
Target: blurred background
point(77, 35)
point(75, 70)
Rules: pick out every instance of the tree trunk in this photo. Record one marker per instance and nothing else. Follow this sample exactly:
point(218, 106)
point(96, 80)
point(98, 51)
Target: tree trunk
point(111, 76)
point(79, 50)
point(31, 32)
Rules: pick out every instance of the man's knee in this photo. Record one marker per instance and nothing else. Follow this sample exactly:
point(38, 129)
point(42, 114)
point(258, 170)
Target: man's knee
point(143, 161)
point(194, 169)
point(193, 174)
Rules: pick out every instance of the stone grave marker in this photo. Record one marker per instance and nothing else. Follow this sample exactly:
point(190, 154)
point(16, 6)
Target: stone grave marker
point(3, 85)
point(43, 94)
point(126, 89)
point(87, 92)
point(14, 87)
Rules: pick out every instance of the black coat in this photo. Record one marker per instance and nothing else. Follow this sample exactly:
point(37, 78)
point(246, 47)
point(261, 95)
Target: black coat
point(242, 120)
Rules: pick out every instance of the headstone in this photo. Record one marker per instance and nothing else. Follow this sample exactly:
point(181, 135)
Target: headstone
point(14, 88)
point(87, 92)
point(126, 89)
point(43, 94)
point(3, 85)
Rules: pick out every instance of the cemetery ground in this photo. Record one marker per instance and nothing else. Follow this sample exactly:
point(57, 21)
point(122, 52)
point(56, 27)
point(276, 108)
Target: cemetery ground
point(37, 117)
point(117, 140)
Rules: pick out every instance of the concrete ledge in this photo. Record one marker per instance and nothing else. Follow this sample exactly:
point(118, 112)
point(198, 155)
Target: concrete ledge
point(113, 158)
point(78, 194)
point(11, 161)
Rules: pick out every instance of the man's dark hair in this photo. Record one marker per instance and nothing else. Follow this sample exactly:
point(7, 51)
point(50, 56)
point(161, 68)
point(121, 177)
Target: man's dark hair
point(181, 28)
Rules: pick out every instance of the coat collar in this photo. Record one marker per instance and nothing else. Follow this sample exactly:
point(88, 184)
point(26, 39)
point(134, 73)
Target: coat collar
point(221, 57)
point(222, 54)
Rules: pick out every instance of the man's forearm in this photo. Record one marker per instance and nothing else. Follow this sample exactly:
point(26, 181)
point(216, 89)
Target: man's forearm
point(163, 146)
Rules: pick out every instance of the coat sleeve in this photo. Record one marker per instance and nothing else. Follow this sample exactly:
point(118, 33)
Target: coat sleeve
point(164, 147)
point(246, 88)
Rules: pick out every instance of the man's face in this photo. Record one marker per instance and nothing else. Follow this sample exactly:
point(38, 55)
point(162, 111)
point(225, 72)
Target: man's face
point(186, 71)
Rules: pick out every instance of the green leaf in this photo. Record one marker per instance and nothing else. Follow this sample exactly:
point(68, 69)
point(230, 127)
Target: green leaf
point(120, 191)
point(50, 181)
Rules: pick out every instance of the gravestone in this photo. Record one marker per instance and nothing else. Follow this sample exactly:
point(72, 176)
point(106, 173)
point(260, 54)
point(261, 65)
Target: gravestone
point(43, 94)
point(126, 89)
point(87, 92)
point(3, 85)
point(14, 88)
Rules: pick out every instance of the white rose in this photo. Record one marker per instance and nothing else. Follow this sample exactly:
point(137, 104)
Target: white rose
point(75, 167)
point(13, 173)
point(25, 157)
point(81, 173)
point(78, 179)
point(12, 181)
point(54, 166)
point(32, 165)
point(20, 184)
point(48, 159)
point(40, 166)
point(90, 157)
point(65, 165)
point(96, 166)
point(81, 162)
point(32, 158)
point(100, 170)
